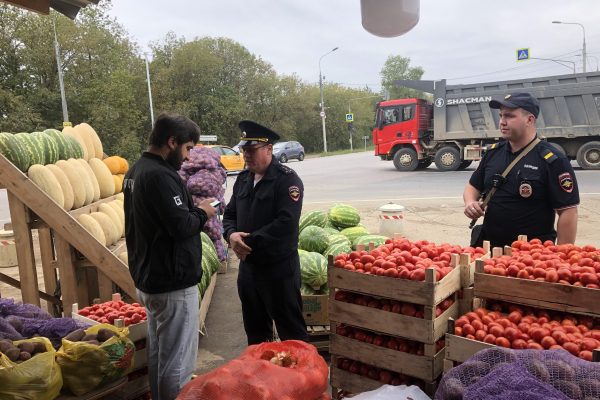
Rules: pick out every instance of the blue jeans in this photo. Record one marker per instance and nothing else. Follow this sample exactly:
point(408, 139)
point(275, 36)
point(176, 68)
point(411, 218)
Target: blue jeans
point(172, 342)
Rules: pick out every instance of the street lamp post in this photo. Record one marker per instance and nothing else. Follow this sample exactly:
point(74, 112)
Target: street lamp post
point(322, 101)
point(61, 83)
point(583, 50)
point(149, 91)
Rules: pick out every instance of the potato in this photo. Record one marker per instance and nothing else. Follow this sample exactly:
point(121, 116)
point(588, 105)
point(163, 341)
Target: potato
point(538, 369)
point(5, 345)
point(13, 354)
point(26, 347)
point(76, 335)
point(454, 389)
point(39, 348)
point(24, 356)
point(89, 336)
point(561, 369)
point(105, 334)
point(15, 322)
point(570, 389)
point(93, 341)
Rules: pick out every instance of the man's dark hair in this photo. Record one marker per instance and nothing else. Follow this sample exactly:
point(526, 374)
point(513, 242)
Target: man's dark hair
point(180, 127)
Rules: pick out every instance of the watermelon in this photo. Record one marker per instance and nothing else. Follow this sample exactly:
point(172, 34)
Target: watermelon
point(49, 146)
point(15, 151)
point(317, 218)
point(33, 147)
point(353, 233)
point(306, 290)
point(313, 270)
point(209, 253)
point(75, 148)
point(64, 149)
point(377, 240)
point(331, 230)
point(343, 216)
point(337, 248)
point(339, 239)
point(313, 238)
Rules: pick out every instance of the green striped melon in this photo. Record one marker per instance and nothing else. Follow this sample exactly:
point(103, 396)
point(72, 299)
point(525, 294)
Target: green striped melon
point(353, 233)
point(344, 216)
point(75, 147)
point(209, 252)
point(36, 154)
point(377, 240)
point(317, 218)
point(306, 290)
point(337, 248)
point(339, 239)
point(49, 145)
point(331, 230)
point(313, 270)
point(313, 238)
point(64, 149)
point(15, 151)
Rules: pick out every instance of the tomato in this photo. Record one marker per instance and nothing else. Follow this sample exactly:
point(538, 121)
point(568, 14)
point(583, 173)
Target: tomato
point(477, 324)
point(552, 276)
point(523, 274)
point(468, 329)
point(503, 342)
point(480, 335)
point(515, 317)
point(417, 275)
point(472, 316)
point(519, 344)
point(586, 355)
point(489, 338)
point(534, 346)
point(511, 333)
point(496, 330)
point(547, 342)
point(571, 348)
point(458, 331)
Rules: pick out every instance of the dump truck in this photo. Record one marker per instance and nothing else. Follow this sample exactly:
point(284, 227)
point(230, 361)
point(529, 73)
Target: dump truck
point(455, 127)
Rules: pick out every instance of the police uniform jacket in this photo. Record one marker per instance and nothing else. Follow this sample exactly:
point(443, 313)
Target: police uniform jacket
point(162, 227)
point(270, 212)
point(541, 183)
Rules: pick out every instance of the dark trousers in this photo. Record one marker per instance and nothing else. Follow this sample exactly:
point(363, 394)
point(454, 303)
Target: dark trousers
point(266, 299)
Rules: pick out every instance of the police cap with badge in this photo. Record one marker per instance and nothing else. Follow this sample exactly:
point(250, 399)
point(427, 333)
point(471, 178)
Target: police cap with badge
point(518, 100)
point(256, 134)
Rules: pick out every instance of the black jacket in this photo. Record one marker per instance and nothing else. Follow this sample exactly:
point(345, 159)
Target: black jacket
point(162, 228)
point(270, 212)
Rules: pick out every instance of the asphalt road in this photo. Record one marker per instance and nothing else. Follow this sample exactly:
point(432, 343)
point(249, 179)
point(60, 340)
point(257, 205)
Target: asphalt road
point(363, 177)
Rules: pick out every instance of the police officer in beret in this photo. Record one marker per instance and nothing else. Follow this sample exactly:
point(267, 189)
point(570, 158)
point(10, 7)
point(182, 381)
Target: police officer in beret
point(539, 187)
point(261, 225)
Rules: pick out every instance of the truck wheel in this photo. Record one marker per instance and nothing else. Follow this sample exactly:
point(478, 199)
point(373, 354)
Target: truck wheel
point(588, 155)
point(447, 159)
point(406, 160)
point(465, 164)
point(423, 164)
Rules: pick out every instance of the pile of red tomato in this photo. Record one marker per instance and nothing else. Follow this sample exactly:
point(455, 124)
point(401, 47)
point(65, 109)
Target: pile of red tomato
point(375, 373)
point(566, 264)
point(390, 342)
point(397, 307)
point(401, 258)
point(526, 328)
point(108, 312)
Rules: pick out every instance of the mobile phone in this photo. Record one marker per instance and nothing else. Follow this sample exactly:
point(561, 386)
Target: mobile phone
point(215, 203)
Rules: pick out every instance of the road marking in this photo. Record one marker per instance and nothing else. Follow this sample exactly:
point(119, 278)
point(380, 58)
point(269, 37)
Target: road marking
point(410, 199)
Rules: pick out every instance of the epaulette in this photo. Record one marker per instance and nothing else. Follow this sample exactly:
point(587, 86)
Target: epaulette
point(548, 155)
point(285, 169)
point(494, 146)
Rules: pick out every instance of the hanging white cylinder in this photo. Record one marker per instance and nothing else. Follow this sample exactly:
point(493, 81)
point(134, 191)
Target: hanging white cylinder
point(389, 18)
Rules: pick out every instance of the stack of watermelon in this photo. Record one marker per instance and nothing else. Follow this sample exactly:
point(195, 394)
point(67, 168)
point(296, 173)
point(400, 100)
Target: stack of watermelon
point(47, 147)
point(328, 233)
point(210, 263)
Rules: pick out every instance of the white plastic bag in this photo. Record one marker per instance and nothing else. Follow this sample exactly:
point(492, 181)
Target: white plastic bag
point(388, 392)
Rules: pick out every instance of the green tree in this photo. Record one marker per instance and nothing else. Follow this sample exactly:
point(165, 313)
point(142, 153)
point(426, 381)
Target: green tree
point(397, 68)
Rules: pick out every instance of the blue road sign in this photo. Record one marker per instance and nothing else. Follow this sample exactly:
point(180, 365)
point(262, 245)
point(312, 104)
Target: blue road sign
point(350, 117)
point(522, 54)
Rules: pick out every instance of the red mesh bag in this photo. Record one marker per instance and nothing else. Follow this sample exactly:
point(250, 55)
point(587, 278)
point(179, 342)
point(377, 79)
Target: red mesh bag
point(257, 375)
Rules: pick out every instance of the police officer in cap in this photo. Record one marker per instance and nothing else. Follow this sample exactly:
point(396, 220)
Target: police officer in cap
point(261, 225)
point(538, 187)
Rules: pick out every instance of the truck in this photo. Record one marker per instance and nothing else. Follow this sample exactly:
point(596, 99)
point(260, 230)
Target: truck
point(458, 124)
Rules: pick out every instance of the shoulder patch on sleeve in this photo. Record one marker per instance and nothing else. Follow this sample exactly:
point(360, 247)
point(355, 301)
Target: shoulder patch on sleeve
point(565, 180)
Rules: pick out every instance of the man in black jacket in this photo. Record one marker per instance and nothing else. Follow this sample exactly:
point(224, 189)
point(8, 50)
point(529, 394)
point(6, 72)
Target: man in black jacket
point(261, 225)
point(162, 231)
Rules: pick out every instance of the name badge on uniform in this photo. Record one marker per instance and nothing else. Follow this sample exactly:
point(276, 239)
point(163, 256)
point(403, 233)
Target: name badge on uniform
point(525, 190)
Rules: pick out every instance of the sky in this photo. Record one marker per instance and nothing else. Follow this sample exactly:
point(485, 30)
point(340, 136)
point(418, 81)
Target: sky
point(463, 41)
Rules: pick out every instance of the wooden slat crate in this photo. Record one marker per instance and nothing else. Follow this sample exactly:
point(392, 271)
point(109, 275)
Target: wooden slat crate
point(553, 296)
point(318, 336)
point(205, 303)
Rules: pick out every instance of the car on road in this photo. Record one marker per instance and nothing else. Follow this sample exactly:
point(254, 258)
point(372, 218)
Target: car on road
point(232, 160)
point(284, 151)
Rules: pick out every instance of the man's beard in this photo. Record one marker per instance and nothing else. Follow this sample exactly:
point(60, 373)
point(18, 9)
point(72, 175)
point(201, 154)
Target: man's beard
point(174, 158)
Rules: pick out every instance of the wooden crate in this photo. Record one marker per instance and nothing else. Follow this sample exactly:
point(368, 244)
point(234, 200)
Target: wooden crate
point(427, 293)
point(425, 330)
point(137, 385)
point(553, 296)
point(459, 349)
point(318, 336)
point(205, 304)
point(427, 368)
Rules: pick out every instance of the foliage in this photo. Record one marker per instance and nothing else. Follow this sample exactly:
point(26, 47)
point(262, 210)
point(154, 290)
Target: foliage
point(397, 68)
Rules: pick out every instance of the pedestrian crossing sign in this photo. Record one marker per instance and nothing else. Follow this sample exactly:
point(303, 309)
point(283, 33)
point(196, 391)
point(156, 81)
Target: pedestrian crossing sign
point(350, 117)
point(522, 54)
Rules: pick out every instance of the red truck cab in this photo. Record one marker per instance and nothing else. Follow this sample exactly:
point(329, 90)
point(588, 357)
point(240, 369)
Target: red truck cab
point(400, 127)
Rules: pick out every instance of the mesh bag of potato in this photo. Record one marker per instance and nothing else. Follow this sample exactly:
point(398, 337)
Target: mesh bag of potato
point(28, 370)
point(91, 358)
point(499, 373)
